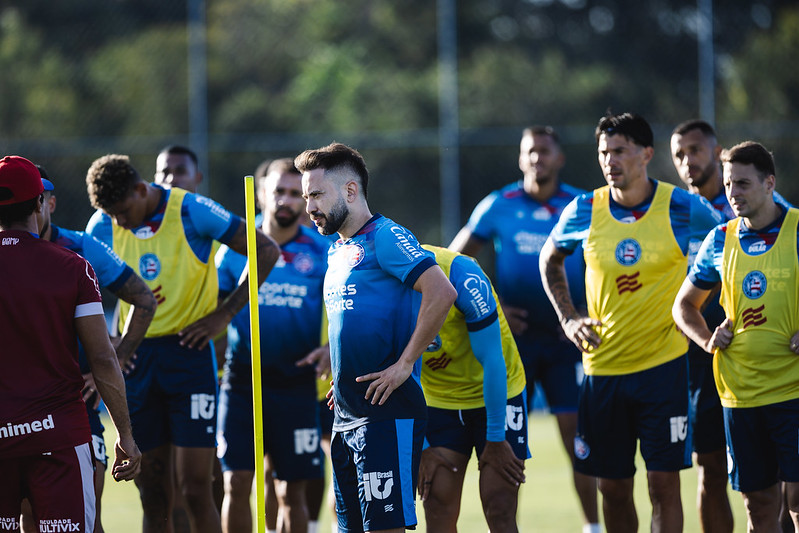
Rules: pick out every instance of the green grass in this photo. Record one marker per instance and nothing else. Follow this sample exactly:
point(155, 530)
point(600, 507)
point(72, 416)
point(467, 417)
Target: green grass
point(547, 502)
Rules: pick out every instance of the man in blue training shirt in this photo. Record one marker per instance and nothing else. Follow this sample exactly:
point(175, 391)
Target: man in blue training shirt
point(291, 313)
point(379, 325)
point(169, 234)
point(518, 218)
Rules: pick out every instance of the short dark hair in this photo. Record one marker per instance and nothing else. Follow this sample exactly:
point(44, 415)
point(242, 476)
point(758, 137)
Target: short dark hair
point(634, 127)
point(751, 153)
point(177, 149)
point(11, 214)
point(282, 165)
point(694, 124)
point(549, 131)
point(110, 179)
point(334, 156)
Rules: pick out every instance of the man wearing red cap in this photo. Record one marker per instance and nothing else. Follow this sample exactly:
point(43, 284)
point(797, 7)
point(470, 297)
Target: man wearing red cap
point(49, 298)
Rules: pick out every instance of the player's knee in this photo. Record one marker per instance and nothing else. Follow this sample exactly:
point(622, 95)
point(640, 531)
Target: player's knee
point(499, 509)
point(238, 485)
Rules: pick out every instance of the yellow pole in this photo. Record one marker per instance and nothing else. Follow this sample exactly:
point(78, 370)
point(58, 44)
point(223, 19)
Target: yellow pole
point(255, 343)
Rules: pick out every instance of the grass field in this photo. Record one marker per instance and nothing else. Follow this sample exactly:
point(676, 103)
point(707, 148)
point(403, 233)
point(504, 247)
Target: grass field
point(547, 503)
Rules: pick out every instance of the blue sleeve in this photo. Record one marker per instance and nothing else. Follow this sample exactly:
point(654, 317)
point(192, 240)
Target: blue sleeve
point(100, 227)
point(229, 266)
point(487, 348)
point(573, 225)
point(705, 272)
point(209, 219)
point(704, 217)
point(111, 270)
point(481, 221)
point(782, 201)
point(400, 254)
point(475, 297)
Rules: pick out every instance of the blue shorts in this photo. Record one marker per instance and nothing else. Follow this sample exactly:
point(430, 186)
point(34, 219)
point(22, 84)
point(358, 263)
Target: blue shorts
point(463, 430)
point(98, 441)
point(375, 469)
point(290, 429)
point(616, 411)
point(707, 418)
point(762, 445)
point(556, 364)
point(172, 395)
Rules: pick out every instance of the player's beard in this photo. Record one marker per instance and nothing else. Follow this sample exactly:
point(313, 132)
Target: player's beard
point(287, 221)
point(335, 219)
point(706, 174)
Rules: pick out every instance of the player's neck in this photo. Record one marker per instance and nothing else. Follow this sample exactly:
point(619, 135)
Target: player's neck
point(764, 216)
point(634, 194)
point(280, 234)
point(710, 189)
point(540, 190)
point(354, 222)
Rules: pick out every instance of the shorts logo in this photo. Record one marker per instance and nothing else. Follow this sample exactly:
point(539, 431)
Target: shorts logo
point(202, 406)
point(9, 523)
point(679, 428)
point(581, 449)
point(435, 345)
point(628, 252)
point(372, 482)
point(514, 417)
point(58, 524)
point(303, 263)
point(438, 363)
point(754, 285)
point(753, 316)
point(628, 283)
point(149, 266)
point(354, 254)
point(306, 440)
point(388, 508)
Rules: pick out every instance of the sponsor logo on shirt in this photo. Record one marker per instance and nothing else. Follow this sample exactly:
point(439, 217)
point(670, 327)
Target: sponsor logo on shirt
point(149, 266)
point(9, 523)
point(10, 241)
point(753, 316)
point(26, 428)
point(529, 243)
point(628, 252)
point(215, 208)
point(754, 285)
point(438, 363)
point(282, 294)
point(335, 301)
point(758, 247)
point(408, 247)
point(628, 283)
point(480, 291)
point(377, 485)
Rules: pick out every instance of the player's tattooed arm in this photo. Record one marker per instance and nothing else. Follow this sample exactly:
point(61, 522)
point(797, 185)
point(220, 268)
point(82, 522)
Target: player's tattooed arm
point(199, 333)
point(580, 329)
point(135, 292)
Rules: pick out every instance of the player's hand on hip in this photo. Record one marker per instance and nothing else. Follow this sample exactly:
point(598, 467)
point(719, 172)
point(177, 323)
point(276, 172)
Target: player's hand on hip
point(722, 336)
point(500, 457)
point(127, 459)
point(198, 334)
point(582, 332)
point(383, 383)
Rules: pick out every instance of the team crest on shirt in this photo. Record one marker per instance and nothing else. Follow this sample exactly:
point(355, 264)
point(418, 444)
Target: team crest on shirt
point(303, 263)
point(435, 345)
point(754, 285)
point(628, 252)
point(149, 266)
point(354, 254)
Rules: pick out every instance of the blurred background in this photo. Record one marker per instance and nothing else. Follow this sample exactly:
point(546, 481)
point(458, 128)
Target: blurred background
point(434, 93)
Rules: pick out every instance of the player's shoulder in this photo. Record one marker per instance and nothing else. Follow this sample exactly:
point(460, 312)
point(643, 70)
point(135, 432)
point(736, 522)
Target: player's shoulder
point(569, 191)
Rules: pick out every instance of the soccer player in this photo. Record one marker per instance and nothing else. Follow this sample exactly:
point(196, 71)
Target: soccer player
point(518, 218)
point(168, 234)
point(386, 300)
point(291, 311)
point(636, 233)
point(113, 274)
point(754, 259)
point(50, 299)
point(177, 166)
point(473, 382)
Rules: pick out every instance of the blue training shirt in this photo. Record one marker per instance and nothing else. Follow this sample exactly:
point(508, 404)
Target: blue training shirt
point(112, 272)
point(519, 226)
point(372, 310)
point(204, 221)
point(290, 308)
point(691, 216)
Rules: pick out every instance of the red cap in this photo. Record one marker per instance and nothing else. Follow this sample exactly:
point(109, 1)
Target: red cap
point(19, 180)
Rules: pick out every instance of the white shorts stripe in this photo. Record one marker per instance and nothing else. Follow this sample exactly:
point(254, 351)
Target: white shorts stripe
point(84, 455)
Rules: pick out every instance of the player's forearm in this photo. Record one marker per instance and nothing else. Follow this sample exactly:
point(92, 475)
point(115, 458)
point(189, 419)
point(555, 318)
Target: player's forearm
point(266, 252)
point(556, 285)
point(437, 299)
point(111, 386)
point(691, 322)
point(139, 295)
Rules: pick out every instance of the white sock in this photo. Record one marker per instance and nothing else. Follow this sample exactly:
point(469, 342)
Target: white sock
point(313, 526)
point(271, 531)
point(591, 528)
point(334, 527)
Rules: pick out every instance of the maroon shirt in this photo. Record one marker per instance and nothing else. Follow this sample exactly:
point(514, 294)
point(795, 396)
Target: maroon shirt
point(43, 288)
